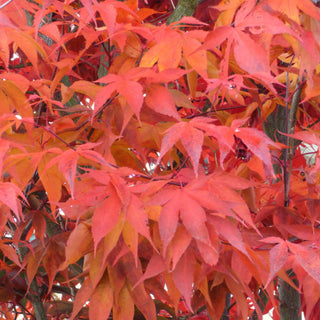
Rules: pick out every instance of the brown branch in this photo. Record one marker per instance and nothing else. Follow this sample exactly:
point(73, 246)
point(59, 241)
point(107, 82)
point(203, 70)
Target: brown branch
point(289, 152)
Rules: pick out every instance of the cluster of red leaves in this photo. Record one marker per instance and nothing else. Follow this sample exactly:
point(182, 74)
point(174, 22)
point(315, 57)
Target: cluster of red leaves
point(134, 163)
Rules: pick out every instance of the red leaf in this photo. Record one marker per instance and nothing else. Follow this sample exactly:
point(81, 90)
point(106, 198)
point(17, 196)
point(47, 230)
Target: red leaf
point(108, 15)
point(165, 76)
point(310, 136)
point(183, 276)
point(249, 55)
point(179, 244)
point(155, 266)
point(55, 255)
point(209, 253)
point(167, 55)
point(33, 260)
point(159, 99)
point(193, 217)
point(259, 21)
point(308, 259)
point(189, 20)
point(137, 217)
point(168, 221)
point(105, 217)
point(191, 138)
point(224, 135)
point(228, 231)
point(258, 142)
point(133, 92)
point(9, 252)
point(103, 95)
point(278, 257)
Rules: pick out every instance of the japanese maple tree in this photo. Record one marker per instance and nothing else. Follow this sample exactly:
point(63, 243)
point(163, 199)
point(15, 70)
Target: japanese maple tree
point(159, 159)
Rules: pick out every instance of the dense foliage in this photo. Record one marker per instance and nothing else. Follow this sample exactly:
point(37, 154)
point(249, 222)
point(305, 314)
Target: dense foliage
point(153, 168)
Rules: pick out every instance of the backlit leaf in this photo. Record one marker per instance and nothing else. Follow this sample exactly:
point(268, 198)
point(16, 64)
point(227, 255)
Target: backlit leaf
point(101, 300)
point(192, 140)
point(183, 276)
point(278, 257)
point(83, 295)
point(105, 217)
point(155, 266)
point(307, 258)
point(79, 243)
point(160, 100)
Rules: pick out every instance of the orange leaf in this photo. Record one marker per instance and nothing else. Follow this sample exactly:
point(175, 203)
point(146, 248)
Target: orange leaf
point(130, 237)
point(101, 300)
point(291, 8)
point(123, 307)
point(78, 244)
point(9, 193)
point(83, 295)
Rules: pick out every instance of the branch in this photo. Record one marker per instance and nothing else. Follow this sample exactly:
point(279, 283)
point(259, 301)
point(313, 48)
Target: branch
point(5, 4)
point(37, 304)
point(288, 155)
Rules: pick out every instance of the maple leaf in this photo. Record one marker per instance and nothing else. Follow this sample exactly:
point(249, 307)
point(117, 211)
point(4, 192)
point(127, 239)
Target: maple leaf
point(68, 161)
point(228, 231)
point(106, 216)
point(193, 216)
point(191, 138)
point(291, 8)
point(179, 244)
point(9, 193)
point(155, 266)
point(101, 300)
point(183, 276)
point(160, 100)
point(138, 219)
point(83, 295)
point(78, 244)
point(54, 256)
point(9, 252)
point(250, 56)
point(306, 258)
point(164, 53)
point(257, 142)
point(278, 257)
point(89, 94)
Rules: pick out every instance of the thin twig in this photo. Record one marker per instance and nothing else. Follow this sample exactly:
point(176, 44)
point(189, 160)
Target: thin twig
point(5, 4)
